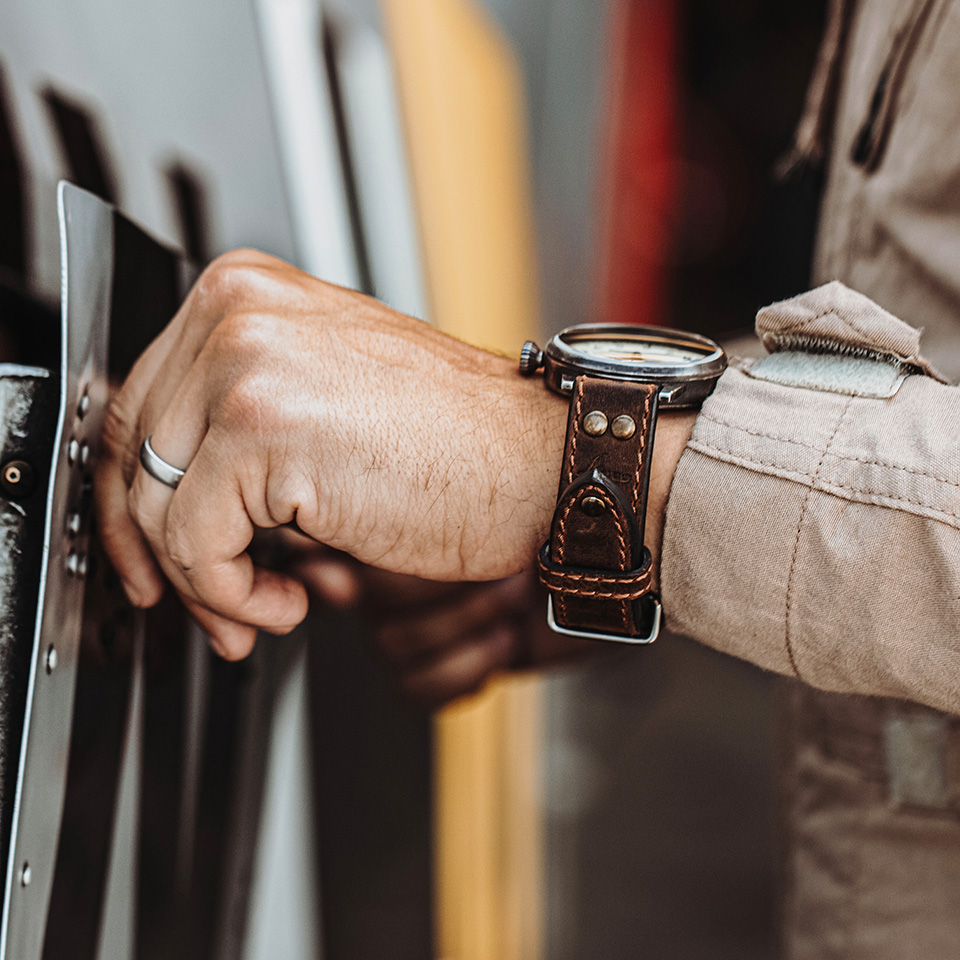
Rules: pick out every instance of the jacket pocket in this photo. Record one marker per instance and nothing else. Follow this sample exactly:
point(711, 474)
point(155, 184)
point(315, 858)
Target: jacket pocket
point(873, 134)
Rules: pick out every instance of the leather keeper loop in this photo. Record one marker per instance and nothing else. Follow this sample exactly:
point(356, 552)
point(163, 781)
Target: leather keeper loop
point(597, 584)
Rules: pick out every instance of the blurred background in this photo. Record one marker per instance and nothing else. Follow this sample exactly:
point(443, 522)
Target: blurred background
point(502, 168)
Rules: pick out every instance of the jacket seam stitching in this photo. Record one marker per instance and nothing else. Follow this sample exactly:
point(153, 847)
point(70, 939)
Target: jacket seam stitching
point(756, 433)
point(796, 543)
point(899, 467)
point(823, 487)
point(836, 456)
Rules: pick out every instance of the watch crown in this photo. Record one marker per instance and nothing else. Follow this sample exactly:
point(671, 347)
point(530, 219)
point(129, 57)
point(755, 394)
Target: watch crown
point(531, 359)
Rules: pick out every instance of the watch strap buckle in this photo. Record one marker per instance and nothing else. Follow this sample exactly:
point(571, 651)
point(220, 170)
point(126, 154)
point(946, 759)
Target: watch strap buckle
point(654, 632)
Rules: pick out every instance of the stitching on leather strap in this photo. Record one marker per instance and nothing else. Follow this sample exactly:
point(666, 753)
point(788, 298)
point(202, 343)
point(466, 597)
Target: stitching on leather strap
point(600, 584)
point(600, 494)
point(577, 407)
point(571, 465)
point(624, 595)
point(626, 613)
point(601, 579)
point(641, 450)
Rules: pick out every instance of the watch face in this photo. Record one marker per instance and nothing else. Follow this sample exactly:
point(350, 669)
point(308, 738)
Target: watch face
point(685, 364)
point(637, 349)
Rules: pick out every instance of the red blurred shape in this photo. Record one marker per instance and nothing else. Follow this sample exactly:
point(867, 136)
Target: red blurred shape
point(638, 175)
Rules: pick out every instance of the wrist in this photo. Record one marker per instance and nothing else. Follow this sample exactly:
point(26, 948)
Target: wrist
point(600, 561)
point(673, 432)
point(521, 488)
point(522, 468)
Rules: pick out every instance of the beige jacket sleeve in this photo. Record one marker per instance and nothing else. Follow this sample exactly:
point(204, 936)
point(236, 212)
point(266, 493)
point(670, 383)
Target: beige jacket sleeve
point(813, 526)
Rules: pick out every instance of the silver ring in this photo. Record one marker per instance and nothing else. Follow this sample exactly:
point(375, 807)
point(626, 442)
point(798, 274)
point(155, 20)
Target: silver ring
point(157, 467)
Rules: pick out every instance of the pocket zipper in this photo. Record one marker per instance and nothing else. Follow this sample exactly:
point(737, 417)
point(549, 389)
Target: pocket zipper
point(813, 343)
point(871, 139)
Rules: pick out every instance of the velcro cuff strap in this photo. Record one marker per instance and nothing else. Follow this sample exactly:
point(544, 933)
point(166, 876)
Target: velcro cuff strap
point(600, 584)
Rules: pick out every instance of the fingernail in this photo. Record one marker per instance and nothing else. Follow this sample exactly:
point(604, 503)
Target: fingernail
point(133, 593)
point(217, 647)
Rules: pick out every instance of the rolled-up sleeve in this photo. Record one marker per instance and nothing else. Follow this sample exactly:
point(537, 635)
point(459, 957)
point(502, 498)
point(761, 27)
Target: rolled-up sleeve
point(813, 526)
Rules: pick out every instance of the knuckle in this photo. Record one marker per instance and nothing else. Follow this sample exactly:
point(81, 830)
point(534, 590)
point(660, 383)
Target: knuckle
point(251, 405)
point(280, 629)
point(237, 649)
point(180, 547)
point(241, 340)
point(246, 407)
point(236, 276)
point(225, 277)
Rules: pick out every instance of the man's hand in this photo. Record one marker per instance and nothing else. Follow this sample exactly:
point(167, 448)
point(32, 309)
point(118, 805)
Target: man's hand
point(442, 640)
point(291, 401)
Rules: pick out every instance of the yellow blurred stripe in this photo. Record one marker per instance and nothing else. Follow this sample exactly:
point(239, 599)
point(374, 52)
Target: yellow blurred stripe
point(463, 107)
point(462, 100)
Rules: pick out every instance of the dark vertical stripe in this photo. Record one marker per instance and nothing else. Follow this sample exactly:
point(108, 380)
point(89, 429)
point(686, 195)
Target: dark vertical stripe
point(83, 145)
point(159, 929)
point(13, 220)
point(373, 766)
point(346, 158)
point(90, 805)
point(145, 294)
point(192, 215)
point(29, 330)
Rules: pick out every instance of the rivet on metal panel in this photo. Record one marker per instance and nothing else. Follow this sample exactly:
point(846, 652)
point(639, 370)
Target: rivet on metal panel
point(26, 875)
point(51, 659)
point(84, 405)
point(73, 451)
point(74, 523)
point(17, 478)
point(77, 564)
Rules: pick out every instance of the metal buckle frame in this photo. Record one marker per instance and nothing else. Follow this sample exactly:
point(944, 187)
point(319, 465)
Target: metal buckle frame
point(612, 637)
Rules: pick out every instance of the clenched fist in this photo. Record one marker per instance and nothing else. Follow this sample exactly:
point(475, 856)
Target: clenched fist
point(291, 401)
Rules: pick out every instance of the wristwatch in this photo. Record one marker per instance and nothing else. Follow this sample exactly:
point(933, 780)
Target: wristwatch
point(617, 377)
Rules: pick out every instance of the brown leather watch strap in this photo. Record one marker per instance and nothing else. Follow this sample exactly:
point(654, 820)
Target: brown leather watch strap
point(595, 564)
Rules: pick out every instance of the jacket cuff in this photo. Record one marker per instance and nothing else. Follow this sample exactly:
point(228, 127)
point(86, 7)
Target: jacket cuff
point(813, 528)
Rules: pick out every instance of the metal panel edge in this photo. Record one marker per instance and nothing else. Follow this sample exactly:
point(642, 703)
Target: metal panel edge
point(86, 246)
